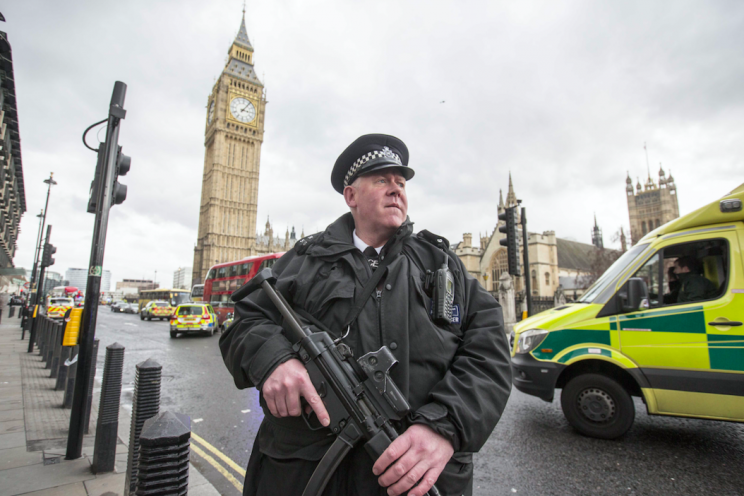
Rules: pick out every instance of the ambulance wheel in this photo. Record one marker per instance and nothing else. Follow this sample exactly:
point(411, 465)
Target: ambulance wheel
point(174, 334)
point(597, 406)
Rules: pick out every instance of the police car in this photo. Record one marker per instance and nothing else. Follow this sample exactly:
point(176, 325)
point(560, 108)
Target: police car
point(156, 310)
point(193, 317)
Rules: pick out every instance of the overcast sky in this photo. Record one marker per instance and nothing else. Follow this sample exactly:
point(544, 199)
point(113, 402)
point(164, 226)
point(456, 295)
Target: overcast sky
point(562, 94)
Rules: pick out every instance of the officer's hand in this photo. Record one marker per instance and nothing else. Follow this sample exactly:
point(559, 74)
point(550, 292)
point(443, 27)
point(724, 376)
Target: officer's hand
point(283, 388)
point(420, 454)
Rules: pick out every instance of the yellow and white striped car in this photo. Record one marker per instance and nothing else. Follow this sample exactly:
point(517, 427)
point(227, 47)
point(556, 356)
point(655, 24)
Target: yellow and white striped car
point(193, 317)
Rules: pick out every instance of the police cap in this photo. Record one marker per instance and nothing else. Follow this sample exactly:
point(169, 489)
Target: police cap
point(369, 153)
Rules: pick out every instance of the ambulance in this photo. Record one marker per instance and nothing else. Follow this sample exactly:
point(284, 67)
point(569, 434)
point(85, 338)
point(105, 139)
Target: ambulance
point(663, 323)
point(57, 306)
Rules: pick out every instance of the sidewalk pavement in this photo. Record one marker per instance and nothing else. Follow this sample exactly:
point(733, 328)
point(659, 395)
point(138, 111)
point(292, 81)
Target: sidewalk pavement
point(34, 426)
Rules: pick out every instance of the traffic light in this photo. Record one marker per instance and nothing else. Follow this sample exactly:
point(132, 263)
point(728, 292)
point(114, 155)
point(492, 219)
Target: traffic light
point(118, 191)
point(119, 194)
point(93, 200)
point(46, 258)
point(511, 241)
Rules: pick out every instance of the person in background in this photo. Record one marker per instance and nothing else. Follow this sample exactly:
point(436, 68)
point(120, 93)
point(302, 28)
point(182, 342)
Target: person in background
point(692, 286)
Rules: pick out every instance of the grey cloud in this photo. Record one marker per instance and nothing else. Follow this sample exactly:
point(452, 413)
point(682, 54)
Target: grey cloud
point(562, 95)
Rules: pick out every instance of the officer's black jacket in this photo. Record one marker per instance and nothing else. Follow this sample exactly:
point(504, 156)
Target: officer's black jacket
point(457, 378)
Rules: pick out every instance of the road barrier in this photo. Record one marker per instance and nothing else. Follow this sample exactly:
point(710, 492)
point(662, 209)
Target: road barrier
point(164, 455)
point(104, 453)
point(145, 405)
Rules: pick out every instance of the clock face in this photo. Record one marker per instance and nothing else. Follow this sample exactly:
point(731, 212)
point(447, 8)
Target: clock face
point(211, 113)
point(242, 109)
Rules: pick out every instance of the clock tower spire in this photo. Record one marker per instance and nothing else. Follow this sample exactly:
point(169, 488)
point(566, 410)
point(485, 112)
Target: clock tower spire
point(232, 157)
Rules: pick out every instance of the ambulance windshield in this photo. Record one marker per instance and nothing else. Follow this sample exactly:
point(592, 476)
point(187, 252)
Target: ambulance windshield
point(611, 274)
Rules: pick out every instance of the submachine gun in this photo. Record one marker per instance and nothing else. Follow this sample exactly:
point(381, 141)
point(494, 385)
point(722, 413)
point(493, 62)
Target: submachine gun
point(361, 398)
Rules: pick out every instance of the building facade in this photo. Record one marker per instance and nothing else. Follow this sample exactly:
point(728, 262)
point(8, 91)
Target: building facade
point(12, 191)
point(79, 279)
point(139, 284)
point(553, 261)
point(234, 132)
point(182, 278)
point(268, 243)
point(651, 205)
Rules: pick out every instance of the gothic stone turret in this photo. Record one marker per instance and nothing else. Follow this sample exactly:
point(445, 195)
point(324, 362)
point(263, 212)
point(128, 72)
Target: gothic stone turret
point(651, 207)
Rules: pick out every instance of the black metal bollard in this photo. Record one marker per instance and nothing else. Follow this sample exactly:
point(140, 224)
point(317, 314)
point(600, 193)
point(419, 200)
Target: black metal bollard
point(57, 350)
point(104, 453)
point(49, 347)
point(145, 405)
point(38, 335)
point(44, 335)
point(164, 455)
point(11, 312)
point(64, 355)
point(89, 397)
point(71, 375)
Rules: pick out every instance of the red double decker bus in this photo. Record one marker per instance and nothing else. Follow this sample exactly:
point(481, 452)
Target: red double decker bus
point(222, 279)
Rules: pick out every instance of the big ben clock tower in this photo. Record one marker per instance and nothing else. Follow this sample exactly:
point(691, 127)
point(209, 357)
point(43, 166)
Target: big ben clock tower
point(232, 158)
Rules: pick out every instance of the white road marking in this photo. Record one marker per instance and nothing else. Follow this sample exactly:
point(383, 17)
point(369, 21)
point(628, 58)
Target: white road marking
point(196, 421)
point(245, 411)
point(129, 323)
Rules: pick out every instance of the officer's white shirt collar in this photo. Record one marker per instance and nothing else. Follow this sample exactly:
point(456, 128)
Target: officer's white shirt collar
point(361, 244)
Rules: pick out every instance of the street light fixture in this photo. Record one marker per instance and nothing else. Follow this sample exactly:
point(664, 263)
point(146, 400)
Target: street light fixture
point(37, 252)
point(40, 215)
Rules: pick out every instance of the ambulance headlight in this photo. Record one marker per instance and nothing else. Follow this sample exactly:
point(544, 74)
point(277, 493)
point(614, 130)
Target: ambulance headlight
point(529, 340)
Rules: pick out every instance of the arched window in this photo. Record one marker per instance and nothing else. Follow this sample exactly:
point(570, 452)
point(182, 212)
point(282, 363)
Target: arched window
point(547, 279)
point(658, 223)
point(499, 265)
point(534, 279)
point(643, 227)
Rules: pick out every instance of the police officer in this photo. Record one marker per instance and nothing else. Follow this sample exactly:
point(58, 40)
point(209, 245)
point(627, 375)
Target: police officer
point(455, 373)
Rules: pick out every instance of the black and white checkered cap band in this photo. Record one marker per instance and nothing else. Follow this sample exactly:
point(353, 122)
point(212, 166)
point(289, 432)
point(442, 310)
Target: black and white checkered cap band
point(358, 163)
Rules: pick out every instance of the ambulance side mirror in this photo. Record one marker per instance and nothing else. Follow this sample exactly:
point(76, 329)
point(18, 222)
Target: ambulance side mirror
point(633, 296)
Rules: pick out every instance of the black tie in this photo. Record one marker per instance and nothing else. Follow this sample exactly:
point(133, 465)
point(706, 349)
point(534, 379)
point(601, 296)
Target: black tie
point(372, 257)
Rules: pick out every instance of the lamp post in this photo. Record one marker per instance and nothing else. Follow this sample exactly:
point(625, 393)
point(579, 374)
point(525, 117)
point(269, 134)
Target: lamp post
point(34, 290)
point(40, 215)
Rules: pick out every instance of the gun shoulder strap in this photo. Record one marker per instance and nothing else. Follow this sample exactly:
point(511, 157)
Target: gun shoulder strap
point(362, 296)
point(369, 287)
